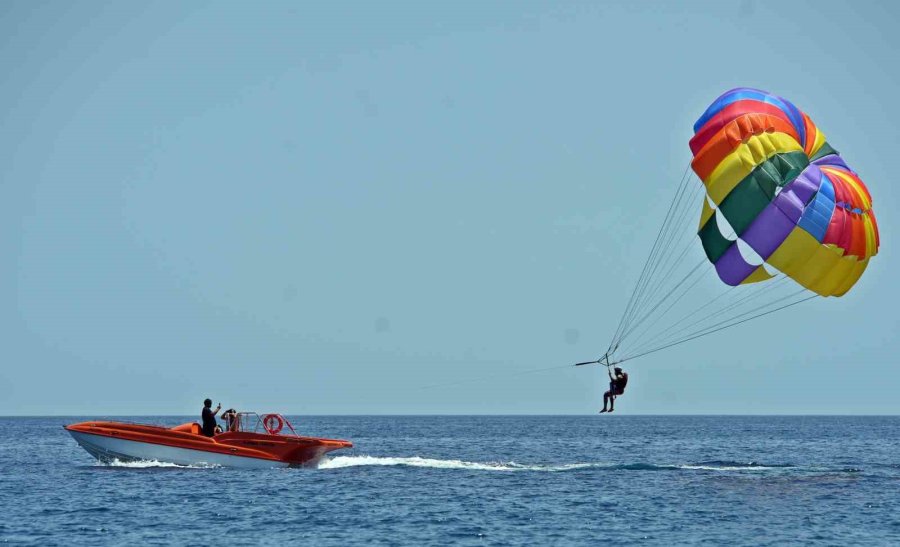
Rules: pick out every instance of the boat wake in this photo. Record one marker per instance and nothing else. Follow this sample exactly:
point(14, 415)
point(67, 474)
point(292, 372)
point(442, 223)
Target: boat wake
point(340, 462)
point(150, 464)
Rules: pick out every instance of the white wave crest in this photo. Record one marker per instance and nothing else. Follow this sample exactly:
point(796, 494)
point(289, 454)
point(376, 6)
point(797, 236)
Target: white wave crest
point(339, 462)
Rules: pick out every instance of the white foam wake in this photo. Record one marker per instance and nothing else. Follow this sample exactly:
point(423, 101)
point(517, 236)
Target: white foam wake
point(728, 468)
point(339, 462)
point(146, 464)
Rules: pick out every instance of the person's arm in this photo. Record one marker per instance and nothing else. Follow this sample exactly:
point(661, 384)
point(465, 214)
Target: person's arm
point(218, 408)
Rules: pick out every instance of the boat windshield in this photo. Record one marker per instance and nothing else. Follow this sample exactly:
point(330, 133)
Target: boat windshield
point(272, 424)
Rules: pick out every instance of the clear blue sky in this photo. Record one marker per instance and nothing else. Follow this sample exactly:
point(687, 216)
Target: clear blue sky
point(322, 208)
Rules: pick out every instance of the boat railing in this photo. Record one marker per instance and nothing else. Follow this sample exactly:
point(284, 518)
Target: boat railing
point(272, 424)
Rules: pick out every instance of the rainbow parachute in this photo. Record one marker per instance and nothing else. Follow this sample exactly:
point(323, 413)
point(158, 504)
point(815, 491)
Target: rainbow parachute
point(778, 197)
point(778, 202)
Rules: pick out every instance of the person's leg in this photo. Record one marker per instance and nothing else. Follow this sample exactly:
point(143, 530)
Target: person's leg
point(612, 398)
point(605, 401)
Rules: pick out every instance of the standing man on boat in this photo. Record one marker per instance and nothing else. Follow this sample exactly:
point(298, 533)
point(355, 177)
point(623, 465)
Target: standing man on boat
point(208, 415)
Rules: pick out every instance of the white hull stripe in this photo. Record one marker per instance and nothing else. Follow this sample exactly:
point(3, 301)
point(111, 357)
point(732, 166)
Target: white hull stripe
point(107, 449)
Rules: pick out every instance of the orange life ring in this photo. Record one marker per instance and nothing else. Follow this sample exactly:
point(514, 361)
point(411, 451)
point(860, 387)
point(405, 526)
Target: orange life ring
point(273, 428)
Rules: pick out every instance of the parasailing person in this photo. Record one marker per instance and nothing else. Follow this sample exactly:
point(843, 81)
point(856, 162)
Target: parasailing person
point(617, 385)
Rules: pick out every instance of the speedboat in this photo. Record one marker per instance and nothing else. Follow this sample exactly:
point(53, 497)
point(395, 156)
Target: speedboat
point(251, 441)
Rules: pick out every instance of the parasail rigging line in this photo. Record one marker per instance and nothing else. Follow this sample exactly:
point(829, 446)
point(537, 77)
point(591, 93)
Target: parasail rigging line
point(650, 257)
point(671, 265)
point(664, 298)
point(650, 263)
point(664, 263)
point(660, 244)
point(721, 326)
point(727, 306)
point(660, 261)
point(672, 304)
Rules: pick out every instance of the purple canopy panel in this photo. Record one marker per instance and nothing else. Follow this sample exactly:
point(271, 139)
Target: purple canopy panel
point(833, 160)
point(804, 187)
point(769, 230)
point(732, 268)
point(790, 205)
point(772, 226)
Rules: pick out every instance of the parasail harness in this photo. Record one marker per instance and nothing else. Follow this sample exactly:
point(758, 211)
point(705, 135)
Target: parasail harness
point(601, 361)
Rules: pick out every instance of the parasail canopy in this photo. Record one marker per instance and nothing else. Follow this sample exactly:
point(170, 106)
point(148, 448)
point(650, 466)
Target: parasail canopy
point(779, 197)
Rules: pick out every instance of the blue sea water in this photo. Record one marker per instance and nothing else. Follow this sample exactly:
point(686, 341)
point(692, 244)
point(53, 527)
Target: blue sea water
point(479, 480)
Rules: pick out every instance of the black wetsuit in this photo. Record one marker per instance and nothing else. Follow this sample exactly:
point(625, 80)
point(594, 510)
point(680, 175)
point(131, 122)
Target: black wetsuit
point(209, 422)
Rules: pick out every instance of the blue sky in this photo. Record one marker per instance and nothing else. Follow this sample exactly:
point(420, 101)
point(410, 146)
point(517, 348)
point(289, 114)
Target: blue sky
point(325, 208)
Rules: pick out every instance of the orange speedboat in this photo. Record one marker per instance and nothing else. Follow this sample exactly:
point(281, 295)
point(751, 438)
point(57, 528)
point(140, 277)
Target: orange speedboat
point(252, 441)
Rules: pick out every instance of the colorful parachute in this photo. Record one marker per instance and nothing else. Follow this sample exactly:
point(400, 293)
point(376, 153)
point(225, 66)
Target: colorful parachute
point(778, 197)
point(779, 205)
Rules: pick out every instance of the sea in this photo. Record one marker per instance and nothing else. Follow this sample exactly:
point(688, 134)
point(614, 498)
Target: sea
point(477, 480)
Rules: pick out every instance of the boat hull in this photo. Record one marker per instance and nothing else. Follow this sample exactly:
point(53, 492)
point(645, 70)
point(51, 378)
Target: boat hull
point(186, 445)
point(109, 449)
